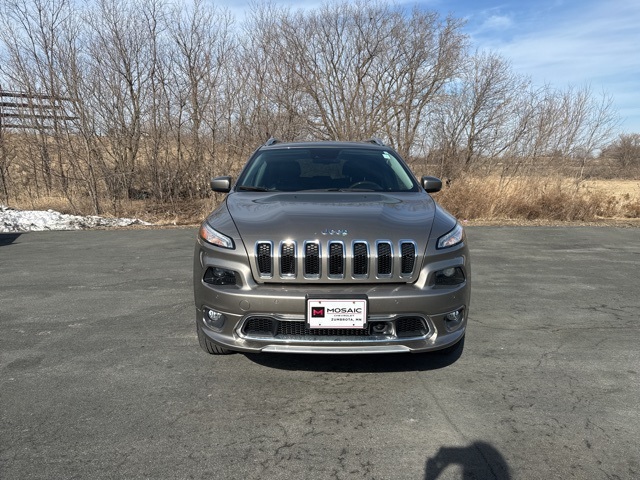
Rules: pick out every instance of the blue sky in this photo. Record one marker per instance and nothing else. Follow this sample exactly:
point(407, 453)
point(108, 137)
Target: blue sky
point(557, 42)
point(563, 42)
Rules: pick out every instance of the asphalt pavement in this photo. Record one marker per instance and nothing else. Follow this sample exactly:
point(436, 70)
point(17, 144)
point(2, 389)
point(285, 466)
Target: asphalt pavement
point(101, 374)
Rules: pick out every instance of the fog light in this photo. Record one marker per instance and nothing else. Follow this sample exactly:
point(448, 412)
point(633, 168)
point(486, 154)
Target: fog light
point(449, 276)
point(453, 320)
point(219, 276)
point(212, 318)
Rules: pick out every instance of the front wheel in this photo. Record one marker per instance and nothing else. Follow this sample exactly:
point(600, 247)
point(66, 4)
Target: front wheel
point(210, 347)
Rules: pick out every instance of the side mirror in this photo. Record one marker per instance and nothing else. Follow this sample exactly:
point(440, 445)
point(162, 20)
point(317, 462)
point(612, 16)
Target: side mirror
point(431, 184)
point(221, 184)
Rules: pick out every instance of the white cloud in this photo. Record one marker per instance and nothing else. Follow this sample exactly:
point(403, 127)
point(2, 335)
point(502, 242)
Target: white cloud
point(496, 22)
point(594, 43)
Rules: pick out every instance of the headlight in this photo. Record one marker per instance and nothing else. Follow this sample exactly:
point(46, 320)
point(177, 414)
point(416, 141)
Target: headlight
point(452, 238)
point(209, 235)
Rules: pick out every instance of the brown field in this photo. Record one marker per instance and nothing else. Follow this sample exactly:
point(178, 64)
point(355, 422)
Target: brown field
point(543, 200)
point(474, 200)
point(622, 189)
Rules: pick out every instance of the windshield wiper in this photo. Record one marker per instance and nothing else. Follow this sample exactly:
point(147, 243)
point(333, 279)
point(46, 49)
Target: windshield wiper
point(248, 188)
point(353, 190)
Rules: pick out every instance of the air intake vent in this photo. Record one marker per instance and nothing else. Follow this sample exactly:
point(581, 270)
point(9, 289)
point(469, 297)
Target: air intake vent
point(408, 252)
point(259, 325)
point(265, 265)
point(411, 327)
point(384, 259)
point(360, 259)
point(288, 259)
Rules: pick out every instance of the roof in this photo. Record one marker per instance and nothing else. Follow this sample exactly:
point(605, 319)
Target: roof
point(275, 144)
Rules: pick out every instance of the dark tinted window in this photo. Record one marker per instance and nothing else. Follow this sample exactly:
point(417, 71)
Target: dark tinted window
point(327, 168)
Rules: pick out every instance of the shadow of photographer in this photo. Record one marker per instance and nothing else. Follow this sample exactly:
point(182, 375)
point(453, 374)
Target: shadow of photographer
point(478, 461)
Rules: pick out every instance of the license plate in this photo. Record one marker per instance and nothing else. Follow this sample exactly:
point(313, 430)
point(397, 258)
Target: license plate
point(333, 313)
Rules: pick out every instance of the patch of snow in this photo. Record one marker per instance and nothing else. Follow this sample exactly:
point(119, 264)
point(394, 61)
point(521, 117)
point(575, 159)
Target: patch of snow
point(12, 220)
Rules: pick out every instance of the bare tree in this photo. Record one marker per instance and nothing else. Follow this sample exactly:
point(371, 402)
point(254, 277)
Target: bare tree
point(625, 150)
point(7, 155)
point(365, 69)
point(30, 32)
point(200, 60)
point(431, 54)
point(481, 116)
point(122, 66)
point(270, 99)
point(148, 98)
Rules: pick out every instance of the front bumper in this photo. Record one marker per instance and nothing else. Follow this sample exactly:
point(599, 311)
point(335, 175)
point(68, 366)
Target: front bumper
point(232, 335)
point(284, 305)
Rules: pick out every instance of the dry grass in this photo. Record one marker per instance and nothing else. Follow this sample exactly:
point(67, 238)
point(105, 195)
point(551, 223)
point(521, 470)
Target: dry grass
point(541, 198)
point(487, 200)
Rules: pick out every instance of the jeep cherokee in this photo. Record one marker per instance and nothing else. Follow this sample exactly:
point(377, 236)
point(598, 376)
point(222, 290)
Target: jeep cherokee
point(330, 247)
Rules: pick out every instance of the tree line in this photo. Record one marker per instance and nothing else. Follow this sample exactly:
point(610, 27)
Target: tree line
point(150, 98)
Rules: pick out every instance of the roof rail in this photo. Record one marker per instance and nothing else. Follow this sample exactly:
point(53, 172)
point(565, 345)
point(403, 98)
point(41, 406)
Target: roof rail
point(377, 141)
point(271, 141)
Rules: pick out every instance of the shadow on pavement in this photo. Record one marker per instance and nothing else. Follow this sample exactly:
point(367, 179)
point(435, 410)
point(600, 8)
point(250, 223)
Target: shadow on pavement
point(479, 460)
point(8, 238)
point(367, 363)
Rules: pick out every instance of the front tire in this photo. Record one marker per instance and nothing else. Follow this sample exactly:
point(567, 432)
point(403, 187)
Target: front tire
point(210, 347)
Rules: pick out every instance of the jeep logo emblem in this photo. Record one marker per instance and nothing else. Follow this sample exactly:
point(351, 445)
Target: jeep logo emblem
point(331, 231)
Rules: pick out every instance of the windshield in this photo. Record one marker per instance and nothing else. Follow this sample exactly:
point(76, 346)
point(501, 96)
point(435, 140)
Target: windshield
point(326, 168)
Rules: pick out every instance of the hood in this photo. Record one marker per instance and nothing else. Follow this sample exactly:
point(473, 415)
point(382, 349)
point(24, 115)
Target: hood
point(311, 216)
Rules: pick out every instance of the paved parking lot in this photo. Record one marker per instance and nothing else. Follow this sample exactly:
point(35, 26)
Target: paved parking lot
point(101, 375)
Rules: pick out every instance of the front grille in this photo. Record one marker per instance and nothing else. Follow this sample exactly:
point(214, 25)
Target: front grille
point(336, 260)
point(268, 326)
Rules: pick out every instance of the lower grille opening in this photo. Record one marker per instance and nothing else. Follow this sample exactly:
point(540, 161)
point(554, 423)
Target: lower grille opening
point(301, 328)
point(267, 326)
point(259, 326)
point(411, 327)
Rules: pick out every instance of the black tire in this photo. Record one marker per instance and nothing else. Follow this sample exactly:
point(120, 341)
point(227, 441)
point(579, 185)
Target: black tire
point(450, 350)
point(210, 347)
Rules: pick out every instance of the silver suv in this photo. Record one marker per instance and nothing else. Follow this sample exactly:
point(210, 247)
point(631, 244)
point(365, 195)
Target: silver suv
point(330, 247)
